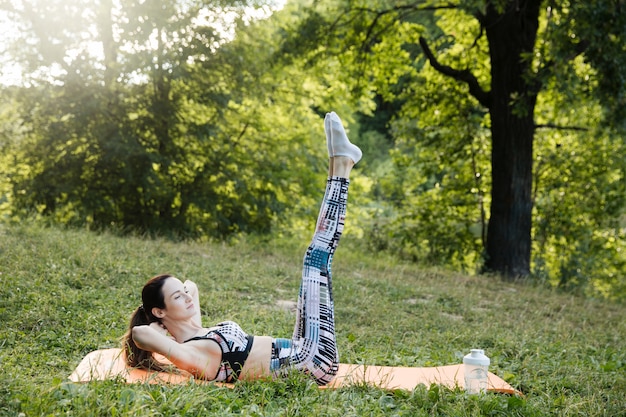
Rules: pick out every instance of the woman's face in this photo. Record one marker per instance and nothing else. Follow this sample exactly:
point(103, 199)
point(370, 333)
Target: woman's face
point(178, 303)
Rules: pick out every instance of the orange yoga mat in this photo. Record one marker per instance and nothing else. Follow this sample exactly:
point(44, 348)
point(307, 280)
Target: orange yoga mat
point(109, 363)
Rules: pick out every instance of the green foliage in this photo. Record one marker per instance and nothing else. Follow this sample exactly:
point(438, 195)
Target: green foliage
point(186, 139)
point(434, 198)
point(438, 184)
point(440, 178)
point(597, 29)
point(65, 293)
point(180, 130)
point(579, 200)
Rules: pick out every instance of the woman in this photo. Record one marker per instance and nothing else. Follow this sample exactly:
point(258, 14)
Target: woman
point(225, 352)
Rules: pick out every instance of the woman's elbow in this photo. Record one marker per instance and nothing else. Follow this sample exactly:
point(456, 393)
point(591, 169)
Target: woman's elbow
point(140, 335)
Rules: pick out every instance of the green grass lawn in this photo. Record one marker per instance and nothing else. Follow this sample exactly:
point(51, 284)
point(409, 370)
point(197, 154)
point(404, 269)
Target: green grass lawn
point(66, 293)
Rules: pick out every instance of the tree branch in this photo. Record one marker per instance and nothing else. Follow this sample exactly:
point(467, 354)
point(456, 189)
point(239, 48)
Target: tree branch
point(544, 70)
point(558, 127)
point(415, 7)
point(465, 76)
point(407, 9)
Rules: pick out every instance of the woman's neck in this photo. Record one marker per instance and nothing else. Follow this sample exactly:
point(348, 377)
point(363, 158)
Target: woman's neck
point(182, 330)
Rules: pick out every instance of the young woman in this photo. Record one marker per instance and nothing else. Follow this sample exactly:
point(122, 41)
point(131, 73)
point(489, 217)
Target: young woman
point(225, 352)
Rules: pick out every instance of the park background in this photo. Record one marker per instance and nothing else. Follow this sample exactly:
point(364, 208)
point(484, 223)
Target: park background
point(187, 136)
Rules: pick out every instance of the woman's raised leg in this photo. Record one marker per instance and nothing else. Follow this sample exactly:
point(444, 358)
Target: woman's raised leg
point(313, 348)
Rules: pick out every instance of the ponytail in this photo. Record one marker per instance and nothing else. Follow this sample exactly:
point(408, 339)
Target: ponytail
point(152, 296)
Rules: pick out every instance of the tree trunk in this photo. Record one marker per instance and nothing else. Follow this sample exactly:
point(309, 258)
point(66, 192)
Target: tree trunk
point(109, 46)
point(511, 35)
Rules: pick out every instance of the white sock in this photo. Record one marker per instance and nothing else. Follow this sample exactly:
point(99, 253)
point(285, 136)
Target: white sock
point(337, 140)
point(329, 138)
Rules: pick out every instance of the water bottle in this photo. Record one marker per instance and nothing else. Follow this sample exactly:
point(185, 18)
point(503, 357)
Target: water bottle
point(476, 369)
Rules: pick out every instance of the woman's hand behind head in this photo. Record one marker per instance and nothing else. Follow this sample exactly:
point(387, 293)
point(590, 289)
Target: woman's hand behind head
point(159, 327)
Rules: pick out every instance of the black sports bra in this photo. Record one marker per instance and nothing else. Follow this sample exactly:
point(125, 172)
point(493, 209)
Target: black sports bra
point(235, 345)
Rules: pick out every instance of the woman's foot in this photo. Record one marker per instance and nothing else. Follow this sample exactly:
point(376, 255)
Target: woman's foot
point(337, 140)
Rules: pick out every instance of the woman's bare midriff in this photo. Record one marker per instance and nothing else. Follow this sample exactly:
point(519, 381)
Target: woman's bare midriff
point(258, 363)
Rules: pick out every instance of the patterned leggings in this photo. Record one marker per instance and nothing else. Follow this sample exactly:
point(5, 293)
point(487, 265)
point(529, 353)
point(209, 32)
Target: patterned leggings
point(313, 348)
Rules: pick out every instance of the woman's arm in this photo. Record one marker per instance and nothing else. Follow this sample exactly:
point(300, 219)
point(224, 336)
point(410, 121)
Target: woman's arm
point(192, 289)
point(202, 360)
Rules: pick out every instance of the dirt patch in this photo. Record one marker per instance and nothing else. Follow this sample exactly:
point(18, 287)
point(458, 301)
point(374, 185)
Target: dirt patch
point(287, 305)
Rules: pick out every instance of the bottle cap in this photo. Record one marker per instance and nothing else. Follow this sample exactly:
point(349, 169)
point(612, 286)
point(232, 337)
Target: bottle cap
point(476, 357)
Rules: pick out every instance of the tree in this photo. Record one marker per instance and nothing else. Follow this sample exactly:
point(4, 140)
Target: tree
point(519, 46)
point(171, 130)
point(511, 30)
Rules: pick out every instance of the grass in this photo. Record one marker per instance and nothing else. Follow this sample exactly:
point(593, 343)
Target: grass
point(64, 293)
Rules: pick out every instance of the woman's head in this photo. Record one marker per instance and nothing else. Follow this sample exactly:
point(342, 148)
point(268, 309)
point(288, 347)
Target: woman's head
point(152, 297)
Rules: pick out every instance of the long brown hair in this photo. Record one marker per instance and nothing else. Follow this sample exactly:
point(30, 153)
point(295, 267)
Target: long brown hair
point(151, 296)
